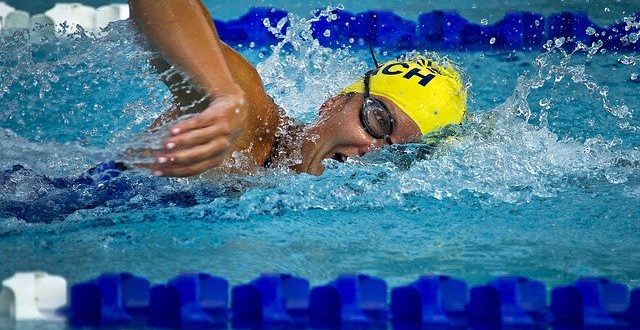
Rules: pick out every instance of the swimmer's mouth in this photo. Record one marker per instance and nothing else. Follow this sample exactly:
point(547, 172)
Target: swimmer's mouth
point(339, 157)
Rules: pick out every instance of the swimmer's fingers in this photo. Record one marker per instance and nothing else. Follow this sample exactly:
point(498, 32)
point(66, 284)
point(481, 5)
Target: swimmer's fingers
point(182, 171)
point(222, 109)
point(197, 136)
point(199, 153)
point(201, 142)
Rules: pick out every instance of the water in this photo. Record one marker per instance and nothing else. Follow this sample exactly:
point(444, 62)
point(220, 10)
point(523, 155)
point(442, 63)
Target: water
point(543, 181)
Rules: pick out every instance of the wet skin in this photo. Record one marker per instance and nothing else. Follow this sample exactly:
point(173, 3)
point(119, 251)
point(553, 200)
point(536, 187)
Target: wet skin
point(240, 116)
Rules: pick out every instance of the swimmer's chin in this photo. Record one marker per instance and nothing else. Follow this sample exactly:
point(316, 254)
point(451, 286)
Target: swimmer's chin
point(313, 169)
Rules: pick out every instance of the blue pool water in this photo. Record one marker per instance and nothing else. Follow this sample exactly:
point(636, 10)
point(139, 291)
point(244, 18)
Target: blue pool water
point(544, 181)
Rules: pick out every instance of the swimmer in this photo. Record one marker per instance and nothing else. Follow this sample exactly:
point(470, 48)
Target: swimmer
point(397, 102)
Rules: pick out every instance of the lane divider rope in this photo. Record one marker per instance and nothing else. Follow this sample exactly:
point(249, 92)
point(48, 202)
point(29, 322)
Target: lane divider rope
point(196, 300)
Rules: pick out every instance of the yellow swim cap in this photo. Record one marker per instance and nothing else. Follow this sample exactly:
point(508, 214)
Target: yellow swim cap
point(431, 94)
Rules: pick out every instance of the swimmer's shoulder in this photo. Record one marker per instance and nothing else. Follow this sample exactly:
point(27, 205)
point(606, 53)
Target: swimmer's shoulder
point(258, 136)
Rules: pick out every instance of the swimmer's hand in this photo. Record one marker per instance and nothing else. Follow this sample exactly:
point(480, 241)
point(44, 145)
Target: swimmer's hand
point(203, 141)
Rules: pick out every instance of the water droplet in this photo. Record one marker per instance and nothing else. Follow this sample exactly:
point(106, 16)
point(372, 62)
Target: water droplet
point(484, 21)
point(559, 41)
point(327, 33)
point(544, 102)
point(606, 9)
point(633, 37)
point(266, 22)
point(252, 44)
point(351, 40)
point(474, 6)
point(635, 77)
point(492, 41)
point(591, 31)
point(537, 22)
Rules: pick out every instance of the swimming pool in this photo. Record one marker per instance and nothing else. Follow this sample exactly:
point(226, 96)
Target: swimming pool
point(544, 182)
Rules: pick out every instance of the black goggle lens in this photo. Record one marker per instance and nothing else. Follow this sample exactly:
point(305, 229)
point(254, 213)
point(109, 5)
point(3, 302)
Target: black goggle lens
point(376, 119)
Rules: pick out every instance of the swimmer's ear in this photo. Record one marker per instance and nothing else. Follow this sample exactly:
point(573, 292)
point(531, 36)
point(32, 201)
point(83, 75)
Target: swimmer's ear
point(335, 101)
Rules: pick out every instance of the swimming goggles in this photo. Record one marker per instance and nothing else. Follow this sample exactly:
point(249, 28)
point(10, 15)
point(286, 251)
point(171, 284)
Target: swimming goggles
point(375, 117)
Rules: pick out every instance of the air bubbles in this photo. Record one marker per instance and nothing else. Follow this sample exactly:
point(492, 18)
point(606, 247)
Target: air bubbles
point(617, 175)
point(591, 31)
point(545, 102)
point(327, 33)
point(484, 21)
point(492, 41)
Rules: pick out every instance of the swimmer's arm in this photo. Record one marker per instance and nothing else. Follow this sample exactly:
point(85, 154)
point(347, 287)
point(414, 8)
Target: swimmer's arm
point(184, 33)
point(190, 99)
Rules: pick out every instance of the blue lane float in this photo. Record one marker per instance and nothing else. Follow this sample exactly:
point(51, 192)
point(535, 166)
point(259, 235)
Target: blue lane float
point(109, 300)
point(436, 30)
point(431, 300)
point(250, 27)
point(510, 301)
point(349, 301)
point(199, 300)
point(271, 300)
point(381, 28)
point(441, 30)
point(572, 25)
point(593, 302)
point(189, 301)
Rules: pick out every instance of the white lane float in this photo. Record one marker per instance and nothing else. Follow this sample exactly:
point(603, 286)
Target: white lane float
point(74, 15)
point(16, 20)
point(42, 26)
point(33, 296)
point(4, 11)
point(108, 14)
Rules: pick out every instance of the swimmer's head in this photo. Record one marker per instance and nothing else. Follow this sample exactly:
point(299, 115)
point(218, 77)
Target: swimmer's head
point(433, 95)
point(396, 103)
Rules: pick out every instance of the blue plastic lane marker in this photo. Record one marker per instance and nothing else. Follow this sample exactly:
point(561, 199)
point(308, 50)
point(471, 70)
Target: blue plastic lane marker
point(570, 24)
point(353, 300)
point(633, 314)
point(250, 27)
point(513, 301)
point(270, 300)
point(430, 300)
point(436, 30)
point(591, 302)
point(189, 301)
point(111, 299)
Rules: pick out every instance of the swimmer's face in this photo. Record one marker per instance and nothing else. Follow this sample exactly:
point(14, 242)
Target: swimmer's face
point(339, 134)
